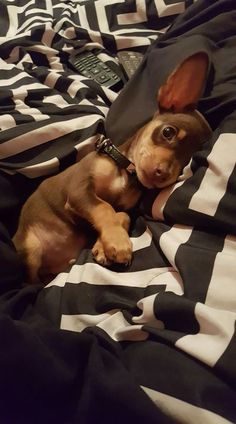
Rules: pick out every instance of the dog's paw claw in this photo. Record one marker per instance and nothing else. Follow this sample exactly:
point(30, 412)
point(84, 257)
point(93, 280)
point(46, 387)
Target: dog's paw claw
point(117, 248)
point(99, 254)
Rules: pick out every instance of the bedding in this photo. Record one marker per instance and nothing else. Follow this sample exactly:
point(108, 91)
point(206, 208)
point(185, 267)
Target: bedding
point(153, 342)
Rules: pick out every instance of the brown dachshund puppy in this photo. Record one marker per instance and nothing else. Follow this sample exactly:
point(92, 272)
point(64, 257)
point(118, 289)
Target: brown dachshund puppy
point(51, 230)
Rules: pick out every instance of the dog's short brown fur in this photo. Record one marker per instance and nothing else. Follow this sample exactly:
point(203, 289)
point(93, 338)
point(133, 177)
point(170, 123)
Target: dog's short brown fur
point(51, 230)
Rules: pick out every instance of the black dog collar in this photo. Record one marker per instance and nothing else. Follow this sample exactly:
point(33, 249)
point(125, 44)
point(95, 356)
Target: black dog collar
point(104, 145)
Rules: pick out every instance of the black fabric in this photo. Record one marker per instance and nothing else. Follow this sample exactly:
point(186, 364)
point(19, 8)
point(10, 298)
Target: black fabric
point(199, 31)
point(153, 342)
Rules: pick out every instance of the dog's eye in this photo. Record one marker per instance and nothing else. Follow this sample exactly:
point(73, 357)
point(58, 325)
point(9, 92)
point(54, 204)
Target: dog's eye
point(169, 132)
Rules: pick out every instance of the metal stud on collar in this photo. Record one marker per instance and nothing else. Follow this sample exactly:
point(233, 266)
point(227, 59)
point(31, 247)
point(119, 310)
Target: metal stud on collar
point(104, 145)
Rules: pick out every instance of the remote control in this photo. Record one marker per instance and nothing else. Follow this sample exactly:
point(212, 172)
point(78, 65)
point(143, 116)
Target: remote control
point(129, 61)
point(89, 65)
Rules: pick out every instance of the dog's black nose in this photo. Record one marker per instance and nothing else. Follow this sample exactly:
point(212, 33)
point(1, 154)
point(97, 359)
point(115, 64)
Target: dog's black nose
point(163, 171)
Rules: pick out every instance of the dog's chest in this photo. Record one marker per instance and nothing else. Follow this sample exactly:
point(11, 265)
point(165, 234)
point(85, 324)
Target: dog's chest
point(110, 183)
point(114, 185)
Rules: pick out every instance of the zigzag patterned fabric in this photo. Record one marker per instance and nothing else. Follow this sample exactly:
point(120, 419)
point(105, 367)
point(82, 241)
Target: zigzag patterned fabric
point(49, 111)
point(154, 342)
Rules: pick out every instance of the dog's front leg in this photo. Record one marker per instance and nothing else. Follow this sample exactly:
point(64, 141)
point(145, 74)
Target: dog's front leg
point(113, 244)
point(113, 248)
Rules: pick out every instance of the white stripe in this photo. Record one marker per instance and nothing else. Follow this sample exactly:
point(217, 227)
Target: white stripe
point(45, 49)
point(147, 317)
point(96, 38)
point(95, 274)
point(101, 13)
point(22, 92)
point(48, 35)
point(86, 146)
point(142, 241)
point(58, 27)
point(134, 18)
point(13, 12)
point(83, 23)
point(167, 10)
point(110, 94)
point(120, 330)
point(66, 7)
point(216, 331)
point(155, 36)
point(222, 288)
point(161, 199)
point(44, 168)
point(112, 322)
point(69, 33)
point(21, 63)
point(43, 135)
point(5, 65)
point(94, 35)
point(123, 32)
point(6, 122)
point(12, 80)
point(214, 184)
point(59, 280)
point(50, 7)
point(37, 12)
point(76, 85)
point(79, 322)
point(125, 42)
point(34, 113)
point(104, 109)
point(57, 100)
point(173, 282)
point(55, 63)
point(171, 240)
point(52, 79)
point(183, 412)
point(15, 36)
point(32, 22)
point(71, 7)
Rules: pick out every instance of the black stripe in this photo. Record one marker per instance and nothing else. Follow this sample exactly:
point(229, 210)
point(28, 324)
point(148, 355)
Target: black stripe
point(92, 16)
point(20, 130)
point(226, 372)
point(63, 145)
point(4, 19)
point(177, 314)
point(95, 299)
point(195, 261)
point(172, 372)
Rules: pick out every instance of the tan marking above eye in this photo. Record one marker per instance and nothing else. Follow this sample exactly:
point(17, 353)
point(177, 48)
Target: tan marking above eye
point(181, 134)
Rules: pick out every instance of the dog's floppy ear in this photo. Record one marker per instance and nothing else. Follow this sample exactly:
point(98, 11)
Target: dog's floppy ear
point(184, 86)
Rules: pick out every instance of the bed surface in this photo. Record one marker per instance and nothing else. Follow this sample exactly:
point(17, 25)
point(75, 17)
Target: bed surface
point(154, 342)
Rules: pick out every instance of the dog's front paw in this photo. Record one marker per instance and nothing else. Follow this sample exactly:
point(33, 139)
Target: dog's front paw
point(117, 246)
point(99, 254)
point(113, 247)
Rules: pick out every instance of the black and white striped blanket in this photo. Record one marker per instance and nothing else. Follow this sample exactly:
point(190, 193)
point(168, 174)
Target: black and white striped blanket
point(155, 342)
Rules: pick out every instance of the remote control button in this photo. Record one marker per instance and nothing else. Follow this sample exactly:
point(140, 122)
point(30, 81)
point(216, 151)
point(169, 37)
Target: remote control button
point(86, 73)
point(90, 66)
point(102, 78)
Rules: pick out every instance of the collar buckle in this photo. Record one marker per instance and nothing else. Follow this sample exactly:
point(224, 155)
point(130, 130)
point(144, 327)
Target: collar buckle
point(104, 145)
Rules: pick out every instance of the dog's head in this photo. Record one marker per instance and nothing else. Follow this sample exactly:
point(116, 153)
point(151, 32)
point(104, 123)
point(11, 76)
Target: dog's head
point(162, 148)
